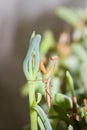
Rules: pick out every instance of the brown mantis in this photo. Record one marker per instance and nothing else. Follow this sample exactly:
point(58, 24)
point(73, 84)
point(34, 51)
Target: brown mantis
point(47, 81)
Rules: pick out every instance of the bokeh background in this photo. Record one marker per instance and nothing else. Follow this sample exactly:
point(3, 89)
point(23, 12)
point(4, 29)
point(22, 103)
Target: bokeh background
point(18, 18)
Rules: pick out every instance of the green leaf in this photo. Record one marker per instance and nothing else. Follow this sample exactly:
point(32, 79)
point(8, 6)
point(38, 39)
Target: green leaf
point(63, 101)
point(81, 112)
point(39, 88)
point(83, 73)
point(39, 97)
point(71, 63)
point(32, 59)
point(62, 106)
point(86, 117)
point(72, 16)
point(70, 83)
point(41, 124)
point(55, 88)
point(47, 43)
point(79, 52)
point(85, 33)
point(77, 35)
point(70, 127)
point(43, 117)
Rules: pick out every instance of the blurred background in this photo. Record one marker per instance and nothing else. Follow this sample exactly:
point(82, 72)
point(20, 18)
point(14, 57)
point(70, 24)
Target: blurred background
point(18, 18)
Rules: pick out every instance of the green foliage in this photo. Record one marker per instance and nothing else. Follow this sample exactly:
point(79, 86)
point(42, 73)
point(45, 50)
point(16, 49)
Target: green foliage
point(62, 104)
point(47, 43)
point(41, 125)
point(50, 86)
point(70, 83)
point(72, 16)
point(43, 117)
point(32, 59)
point(70, 127)
point(63, 101)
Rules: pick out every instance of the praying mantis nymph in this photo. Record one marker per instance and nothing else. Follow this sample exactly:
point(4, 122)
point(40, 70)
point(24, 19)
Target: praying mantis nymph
point(47, 81)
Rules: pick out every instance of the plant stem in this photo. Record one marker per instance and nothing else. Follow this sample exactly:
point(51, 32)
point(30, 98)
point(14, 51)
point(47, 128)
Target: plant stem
point(33, 114)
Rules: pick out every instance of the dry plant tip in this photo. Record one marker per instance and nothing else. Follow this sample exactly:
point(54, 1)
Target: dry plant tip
point(54, 58)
